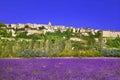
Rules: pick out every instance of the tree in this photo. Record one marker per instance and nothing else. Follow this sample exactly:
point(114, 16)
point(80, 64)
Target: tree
point(91, 40)
point(2, 25)
point(67, 33)
point(26, 26)
point(99, 35)
point(22, 35)
point(4, 33)
point(41, 28)
point(113, 43)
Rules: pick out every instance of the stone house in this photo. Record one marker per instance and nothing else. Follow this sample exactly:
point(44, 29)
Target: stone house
point(111, 34)
point(33, 31)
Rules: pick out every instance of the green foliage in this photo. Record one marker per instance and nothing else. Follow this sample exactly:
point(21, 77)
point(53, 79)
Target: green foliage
point(41, 28)
point(54, 46)
point(4, 33)
point(36, 36)
point(21, 29)
point(28, 54)
point(98, 34)
point(33, 36)
point(80, 53)
point(90, 40)
point(79, 45)
point(77, 35)
point(6, 48)
point(26, 26)
point(67, 34)
point(113, 43)
point(22, 35)
point(2, 25)
point(111, 52)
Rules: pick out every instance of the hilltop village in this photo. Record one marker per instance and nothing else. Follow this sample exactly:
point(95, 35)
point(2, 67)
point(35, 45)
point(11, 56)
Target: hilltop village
point(43, 28)
point(31, 29)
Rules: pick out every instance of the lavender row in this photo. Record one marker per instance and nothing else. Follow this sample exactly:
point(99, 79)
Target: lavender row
point(60, 69)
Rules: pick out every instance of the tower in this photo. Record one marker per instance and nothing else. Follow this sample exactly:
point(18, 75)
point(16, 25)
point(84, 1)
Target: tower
point(49, 24)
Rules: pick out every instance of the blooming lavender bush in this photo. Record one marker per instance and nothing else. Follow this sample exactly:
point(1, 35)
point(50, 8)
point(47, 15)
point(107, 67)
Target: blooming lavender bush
point(60, 69)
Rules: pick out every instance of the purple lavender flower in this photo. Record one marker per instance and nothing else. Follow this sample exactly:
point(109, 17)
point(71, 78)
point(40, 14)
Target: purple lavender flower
point(60, 69)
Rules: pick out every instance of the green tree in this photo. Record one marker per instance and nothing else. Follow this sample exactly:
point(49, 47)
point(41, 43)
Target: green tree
point(4, 33)
point(113, 43)
point(27, 26)
point(99, 35)
point(2, 25)
point(21, 35)
point(91, 40)
point(41, 28)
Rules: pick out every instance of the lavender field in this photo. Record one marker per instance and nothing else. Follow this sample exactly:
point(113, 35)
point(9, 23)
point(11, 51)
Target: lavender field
point(60, 69)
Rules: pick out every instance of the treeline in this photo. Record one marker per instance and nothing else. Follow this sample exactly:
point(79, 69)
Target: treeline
point(48, 48)
point(54, 47)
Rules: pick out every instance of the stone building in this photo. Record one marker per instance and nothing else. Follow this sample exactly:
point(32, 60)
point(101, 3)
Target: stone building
point(30, 32)
point(111, 34)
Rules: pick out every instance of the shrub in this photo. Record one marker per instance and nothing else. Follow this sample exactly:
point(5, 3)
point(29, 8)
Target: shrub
point(89, 53)
point(27, 53)
point(108, 52)
point(80, 53)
